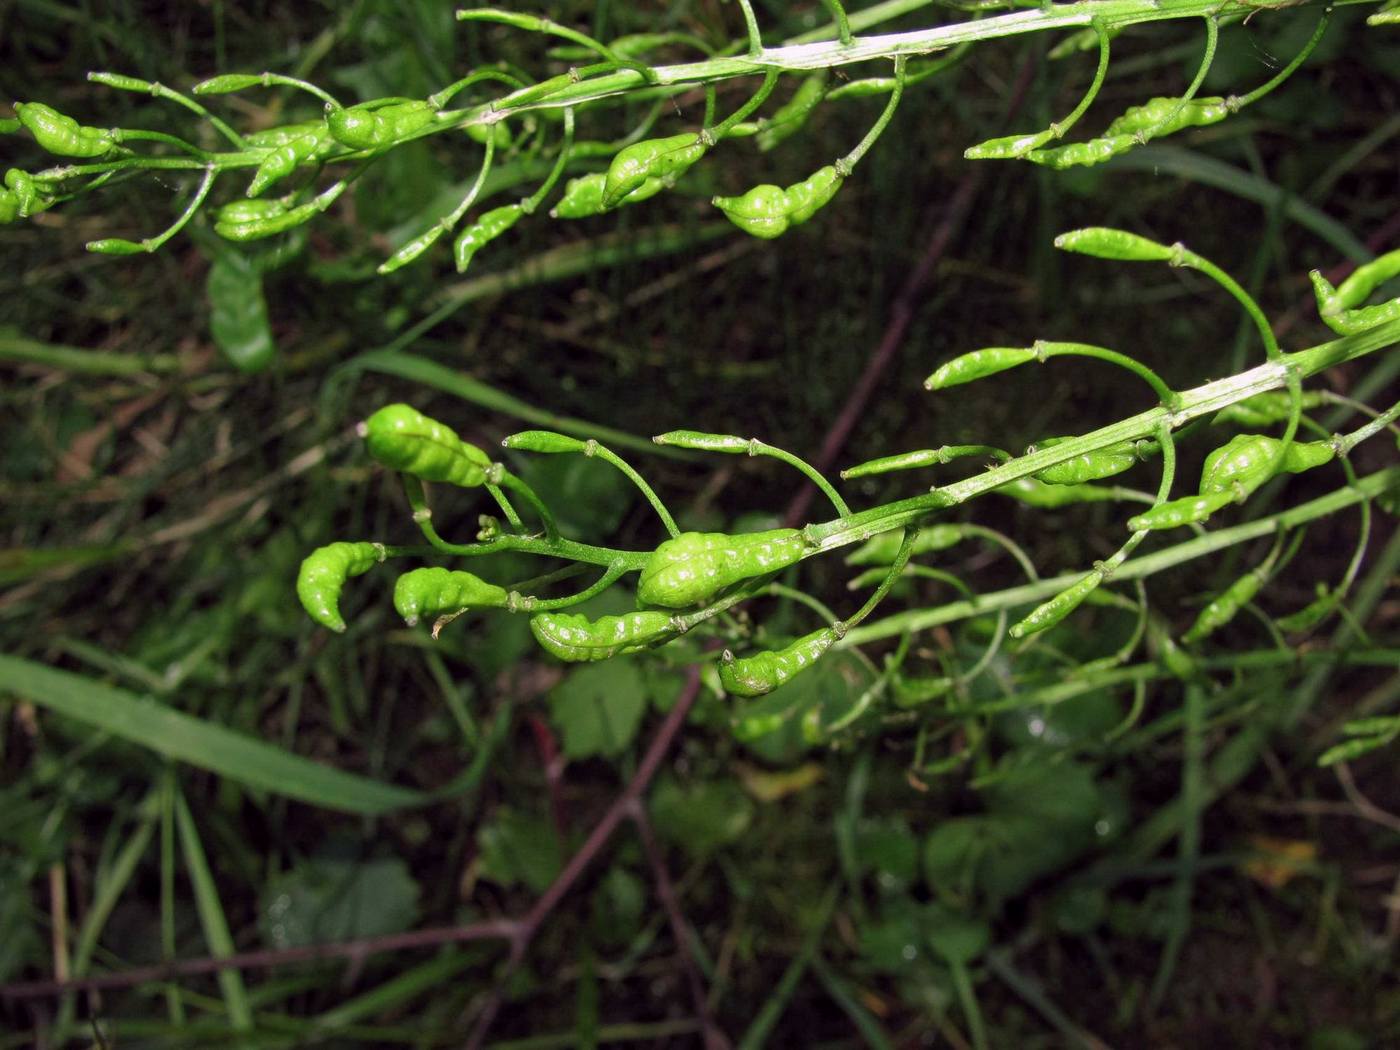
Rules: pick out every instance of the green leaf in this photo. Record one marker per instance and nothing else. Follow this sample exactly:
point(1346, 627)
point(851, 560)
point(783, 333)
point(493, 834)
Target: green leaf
point(238, 312)
point(955, 937)
point(598, 708)
point(701, 817)
point(889, 850)
point(335, 899)
point(203, 744)
point(518, 848)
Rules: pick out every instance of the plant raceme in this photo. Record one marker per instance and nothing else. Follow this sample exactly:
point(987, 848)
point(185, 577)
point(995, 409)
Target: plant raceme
point(532, 122)
point(691, 580)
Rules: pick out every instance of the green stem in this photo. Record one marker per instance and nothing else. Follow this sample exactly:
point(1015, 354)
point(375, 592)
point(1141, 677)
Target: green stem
point(1138, 568)
point(518, 486)
point(1379, 423)
point(158, 90)
point(1059, 128)
point(607, 455)
point(561, 162)
point(441, 98)
point(901, 559)
point(1047, 350)
point(150, 244)
point(850, 160)
point(529, 604)
point(511, 517)
point(967, 999)
point(1188, 258)
point(1292, 67)
point(751, 28)
point(843, 24)
point(549, 27)
point(770, 81)
point(125, 135)
point(762, 448)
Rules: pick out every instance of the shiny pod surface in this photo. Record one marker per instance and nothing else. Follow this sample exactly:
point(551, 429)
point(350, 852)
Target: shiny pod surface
point(434, 591)
point(574, 637)
point(763, 672)
point(403, 439)
point(695, 566)
point(323, 574)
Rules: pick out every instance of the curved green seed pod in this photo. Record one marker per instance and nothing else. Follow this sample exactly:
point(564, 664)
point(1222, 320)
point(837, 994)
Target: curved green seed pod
point(369, 129)
point(575, 638)
point(701, 442)
point(813, 193)
point(323, 574)
point(278, 218)
point(695, 566)
point(1008, 147)
point(403, 439)
point(1310, 615)
point(62, 135)
point(881, 549)
point(768, 211)
point(1057, 608)
point(287, 146)
point(1163, 116)
point(1339, 307)
point(1104, 242)
point(1223, 609)
point(583, 196)
point(762, 211)
point(1175, 513)
point(22, 196)
point(1249, 460)
point(227, 83)
point(792, 114)
point(650, 159)
point(1036, 493)
point(486, 229)
point(1262, 410)
point(1088, 466)
point(1389, 14)
point(977, 364)
point(544, 441)
point(763, 672)
point(1083, 154)
point(433, 592)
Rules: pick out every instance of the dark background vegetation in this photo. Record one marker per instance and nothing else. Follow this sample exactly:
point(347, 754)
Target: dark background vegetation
point(152, 523)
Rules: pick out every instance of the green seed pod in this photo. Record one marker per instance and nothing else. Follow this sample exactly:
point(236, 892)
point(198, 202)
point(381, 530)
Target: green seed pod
point(1339, 308)
point(978, 364)
point(486, 229)
point(650, 159)
point(1175, 513)
point(768, 211)
point(1088, 466)
point(9, 205)
point(227, 83)
point(1105, 243)
point(1223, 609)
point(881, 549)
point(1310, 615)
point(544, 441)
point(287, 147)
point(1262, 410)
point(1249, 460)
point(1057, 608)
point(694, 439)
point(792, 115)
point(695, 566)
point(1083, 154)
point(1008, 147)
point(583, 196)
point(762, 211)
point(576, 638)
point(62, 135)
point(1036, 493)
point(764, 672)
point(361, 128)
point(403, 439)
point(433, 592)
point(1163, 116)
point(498, 134)
point(806, 198)
point(273, 218)
point(323, 574)
point(26, 194)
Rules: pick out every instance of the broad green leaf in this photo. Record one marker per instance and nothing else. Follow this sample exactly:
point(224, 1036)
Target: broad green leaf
point(518, 847)
point(701, 817)
point(238, 312)
point(598, 708)
point(335, 899)
point(203, 744)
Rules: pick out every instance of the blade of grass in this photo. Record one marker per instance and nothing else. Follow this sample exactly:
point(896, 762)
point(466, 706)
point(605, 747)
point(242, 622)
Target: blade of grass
point(204, 744)
point(869, 1028)
point(776, 1003)
point(211, 916)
